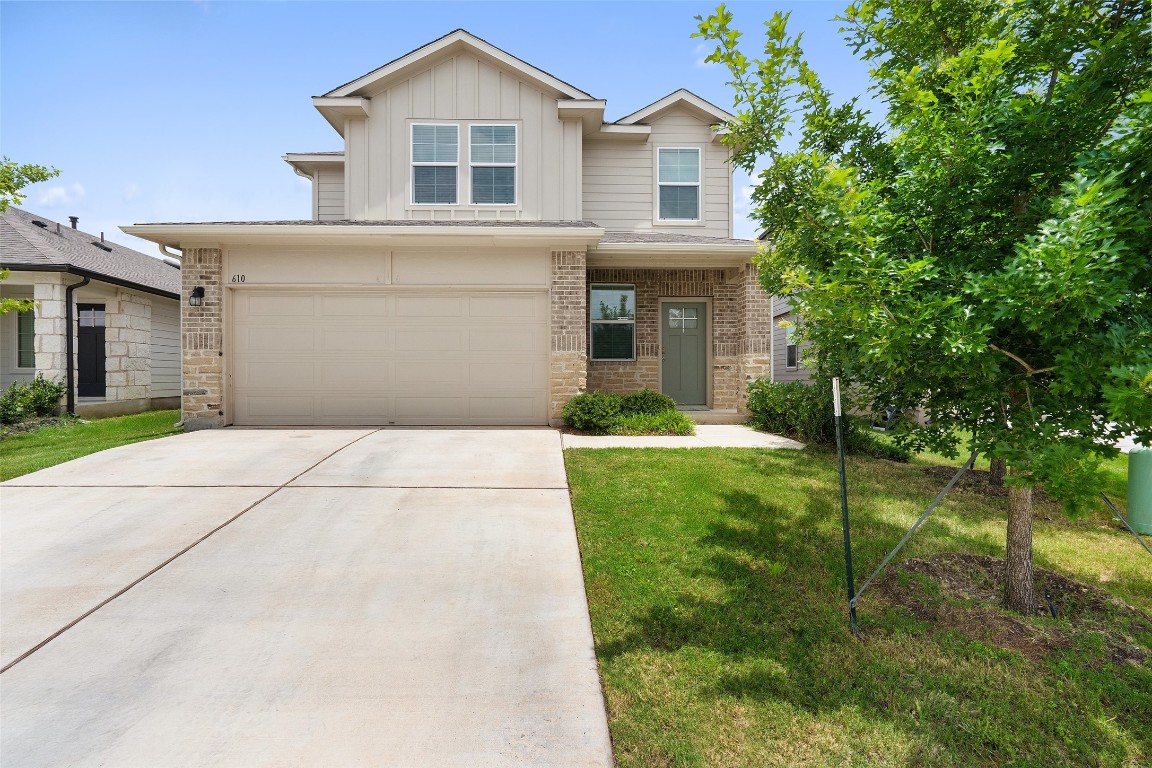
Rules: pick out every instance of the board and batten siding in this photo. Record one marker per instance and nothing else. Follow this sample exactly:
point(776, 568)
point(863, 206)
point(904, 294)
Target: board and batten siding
point(329, 194)
point(620, 188)
point(463, 89)
point(165, 347)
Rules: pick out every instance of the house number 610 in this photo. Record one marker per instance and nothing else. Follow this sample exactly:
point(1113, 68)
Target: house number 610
point(237, 278)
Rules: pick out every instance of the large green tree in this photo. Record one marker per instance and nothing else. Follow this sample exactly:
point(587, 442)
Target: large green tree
point(983, 248)
point(13, 178)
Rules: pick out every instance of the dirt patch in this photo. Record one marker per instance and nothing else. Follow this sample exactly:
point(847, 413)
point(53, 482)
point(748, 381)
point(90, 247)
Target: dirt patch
point(978, 481)
point(964, 593)
point(31, 425)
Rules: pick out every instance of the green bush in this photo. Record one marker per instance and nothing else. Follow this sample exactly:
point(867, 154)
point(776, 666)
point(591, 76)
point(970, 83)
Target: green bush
point(667, 423)
point(646, 402)
point(39, 397)
point(593, 411)
point(804, 411)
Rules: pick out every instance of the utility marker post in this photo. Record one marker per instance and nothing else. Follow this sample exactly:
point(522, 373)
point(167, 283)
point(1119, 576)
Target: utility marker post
point(844, 507)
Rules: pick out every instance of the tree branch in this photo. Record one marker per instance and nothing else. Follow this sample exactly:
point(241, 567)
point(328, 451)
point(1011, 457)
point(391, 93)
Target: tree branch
point(1027, 368)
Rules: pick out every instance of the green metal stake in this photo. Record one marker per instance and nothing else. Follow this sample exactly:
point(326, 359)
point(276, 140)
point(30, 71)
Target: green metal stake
point(844, 508)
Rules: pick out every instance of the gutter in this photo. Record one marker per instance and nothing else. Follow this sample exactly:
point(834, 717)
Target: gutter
point(90, 275)
point(69, 345)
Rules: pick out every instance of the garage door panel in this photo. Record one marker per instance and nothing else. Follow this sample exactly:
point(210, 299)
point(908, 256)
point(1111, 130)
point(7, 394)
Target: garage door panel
point(341, 357)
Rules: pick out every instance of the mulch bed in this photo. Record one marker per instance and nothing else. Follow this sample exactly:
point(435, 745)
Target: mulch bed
point(31, 425)
point(964, 592)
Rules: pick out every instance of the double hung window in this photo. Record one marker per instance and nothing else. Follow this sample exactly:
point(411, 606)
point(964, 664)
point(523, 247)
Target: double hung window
point(26, 340)
point(435, 162)
point(679, 181)
point(613, 318)
point(492, 155)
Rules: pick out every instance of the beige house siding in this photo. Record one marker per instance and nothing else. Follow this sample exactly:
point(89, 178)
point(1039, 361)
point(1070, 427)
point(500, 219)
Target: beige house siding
point(165, 348)
point(463, 89)
point(329, 194)
point(620, 188)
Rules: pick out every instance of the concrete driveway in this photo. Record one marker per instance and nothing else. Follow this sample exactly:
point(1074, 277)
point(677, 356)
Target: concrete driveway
point(392, 597)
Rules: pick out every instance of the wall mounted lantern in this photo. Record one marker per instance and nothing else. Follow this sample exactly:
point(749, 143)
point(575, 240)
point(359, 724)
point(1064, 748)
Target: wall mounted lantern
point(196, 298)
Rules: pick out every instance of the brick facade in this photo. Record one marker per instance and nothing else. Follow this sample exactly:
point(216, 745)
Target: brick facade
point(201, 334)
point(568, 296)
point(740, 329)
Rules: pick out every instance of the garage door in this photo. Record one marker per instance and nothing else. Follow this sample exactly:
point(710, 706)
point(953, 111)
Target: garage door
point(389, 357)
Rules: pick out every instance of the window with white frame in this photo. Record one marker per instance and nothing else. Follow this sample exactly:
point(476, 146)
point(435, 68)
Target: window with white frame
point(26, 340)
point(435, 162)
point(612, 311)
point(492, 157)
point(679, 181)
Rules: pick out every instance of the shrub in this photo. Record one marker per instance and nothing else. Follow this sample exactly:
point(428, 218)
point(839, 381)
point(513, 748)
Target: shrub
point(592, 411)
point(646, 402)
point(805, 411)
point(666, 423)
point(39, 397)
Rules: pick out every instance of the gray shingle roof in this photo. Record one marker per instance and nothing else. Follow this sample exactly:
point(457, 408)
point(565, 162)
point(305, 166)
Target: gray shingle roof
point(670, 239)
point(24, 244)
point(376, 223)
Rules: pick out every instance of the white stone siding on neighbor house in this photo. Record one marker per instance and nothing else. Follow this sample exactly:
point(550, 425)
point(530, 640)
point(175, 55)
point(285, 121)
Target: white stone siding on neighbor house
point(10, 372)
point(128, 350)
point(462, 90)
point(329, 194)
point(165, 347)
point(51, 354)
point(620, 178)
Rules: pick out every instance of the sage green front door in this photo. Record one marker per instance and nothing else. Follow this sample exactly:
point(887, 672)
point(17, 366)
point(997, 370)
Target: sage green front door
point(684, 351)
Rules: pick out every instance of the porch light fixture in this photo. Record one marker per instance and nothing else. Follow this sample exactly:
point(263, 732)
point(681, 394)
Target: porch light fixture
point(196, 298)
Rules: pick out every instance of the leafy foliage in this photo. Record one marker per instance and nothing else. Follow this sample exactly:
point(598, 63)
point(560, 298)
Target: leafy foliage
point(665, 423)
point(39, 397)
point(646, 402)
point(14, 177)
point(639, 413)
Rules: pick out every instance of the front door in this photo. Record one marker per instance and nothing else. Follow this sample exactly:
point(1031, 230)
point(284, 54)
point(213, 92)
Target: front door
point(90, 350)
point(684, 351)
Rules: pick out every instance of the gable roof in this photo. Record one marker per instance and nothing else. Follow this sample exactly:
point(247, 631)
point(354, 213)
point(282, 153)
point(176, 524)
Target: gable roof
point(457, 40)
point(54, 247)
point(680, 97)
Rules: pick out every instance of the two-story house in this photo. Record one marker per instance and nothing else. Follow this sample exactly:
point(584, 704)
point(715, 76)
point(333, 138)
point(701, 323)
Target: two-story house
point(485, 247)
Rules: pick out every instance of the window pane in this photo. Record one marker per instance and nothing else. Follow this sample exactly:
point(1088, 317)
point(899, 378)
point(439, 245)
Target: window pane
point(679, 166)
point(791, 362)
point(679, 202)
point(612, 341)
point(494, 186)
point(493, 144)
point(613, 302)
point(434, 184)
point(26, 340)
point(434, 144)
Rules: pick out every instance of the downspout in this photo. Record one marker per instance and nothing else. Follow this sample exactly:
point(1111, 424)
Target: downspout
point(69, 336)
point(167, 254)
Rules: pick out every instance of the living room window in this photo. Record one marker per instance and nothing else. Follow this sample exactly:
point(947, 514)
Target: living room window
point(612, 310)
point(679, 181)
point(435, 163)
point(26, 340)
point(492, 157)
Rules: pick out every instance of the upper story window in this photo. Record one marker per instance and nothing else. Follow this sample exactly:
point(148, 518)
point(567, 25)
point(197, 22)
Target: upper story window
point(679, 181)
point(435, 161)
point(492, 155)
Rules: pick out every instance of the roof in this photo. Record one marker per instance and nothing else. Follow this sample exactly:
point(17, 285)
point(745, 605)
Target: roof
point(374, 223)
point(622, 238)
point(679, 97)
point(59, 248)
point(456, 39)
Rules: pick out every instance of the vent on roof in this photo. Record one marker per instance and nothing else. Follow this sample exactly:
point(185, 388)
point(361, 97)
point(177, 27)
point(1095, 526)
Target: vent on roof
point(101, 244)
point(40, 224)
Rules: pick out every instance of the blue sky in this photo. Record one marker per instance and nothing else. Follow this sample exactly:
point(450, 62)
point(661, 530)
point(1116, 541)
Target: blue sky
point(181, 111)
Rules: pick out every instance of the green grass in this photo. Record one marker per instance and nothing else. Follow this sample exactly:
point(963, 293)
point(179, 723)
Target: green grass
point(715, 584)
point(29, 451)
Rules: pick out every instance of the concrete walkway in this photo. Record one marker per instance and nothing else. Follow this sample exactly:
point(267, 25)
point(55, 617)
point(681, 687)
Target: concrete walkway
point(392, 597)
point(707, 436)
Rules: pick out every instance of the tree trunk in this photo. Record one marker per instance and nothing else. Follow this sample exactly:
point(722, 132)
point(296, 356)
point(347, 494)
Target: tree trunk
point(1019, 590)
point(996, 470)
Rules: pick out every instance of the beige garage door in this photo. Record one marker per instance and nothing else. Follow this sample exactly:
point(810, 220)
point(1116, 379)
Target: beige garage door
point(389, 357)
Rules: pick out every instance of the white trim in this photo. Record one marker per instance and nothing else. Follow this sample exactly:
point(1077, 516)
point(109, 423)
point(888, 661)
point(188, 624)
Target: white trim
point(632, 322)
point(514, 165)
point(681, 96)
point(412, 163)
point(699, 184)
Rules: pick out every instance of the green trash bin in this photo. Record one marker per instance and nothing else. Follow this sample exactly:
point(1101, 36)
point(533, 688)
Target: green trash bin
point(1140, 489)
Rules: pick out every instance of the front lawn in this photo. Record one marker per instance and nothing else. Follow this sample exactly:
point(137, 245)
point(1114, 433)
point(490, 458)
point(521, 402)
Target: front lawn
point(29, 451)
point(715, 583)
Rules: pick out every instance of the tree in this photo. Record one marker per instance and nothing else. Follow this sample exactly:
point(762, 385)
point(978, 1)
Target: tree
point(13, 178)
point(983, 248)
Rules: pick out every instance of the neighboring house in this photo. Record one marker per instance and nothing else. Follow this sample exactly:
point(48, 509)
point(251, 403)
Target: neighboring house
point(485, 247)
point(125, 316)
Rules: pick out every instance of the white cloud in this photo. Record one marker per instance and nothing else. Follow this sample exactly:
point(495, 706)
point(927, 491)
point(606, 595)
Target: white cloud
point(742, 225)
point(64, 194)
point(131, 191)
point(701, 52)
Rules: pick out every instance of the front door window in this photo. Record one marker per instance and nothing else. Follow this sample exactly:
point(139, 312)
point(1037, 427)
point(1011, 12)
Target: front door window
point(684, 352)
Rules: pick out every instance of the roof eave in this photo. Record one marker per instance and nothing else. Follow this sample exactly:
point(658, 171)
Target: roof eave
point(82, 272)
point(670, 254)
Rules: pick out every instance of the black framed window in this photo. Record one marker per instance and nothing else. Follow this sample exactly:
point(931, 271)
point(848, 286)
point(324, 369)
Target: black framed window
point(612, 313)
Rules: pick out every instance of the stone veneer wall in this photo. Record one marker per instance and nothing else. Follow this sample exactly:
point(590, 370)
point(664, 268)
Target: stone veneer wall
point(568, 297)
point(128, 340)
point(201, 335)
point(49, 324)
point(741, 319)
